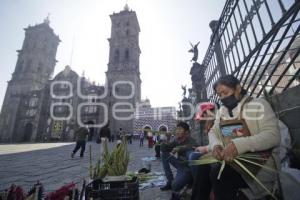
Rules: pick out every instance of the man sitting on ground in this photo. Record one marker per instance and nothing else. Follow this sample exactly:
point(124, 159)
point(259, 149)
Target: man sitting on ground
point(182, 145)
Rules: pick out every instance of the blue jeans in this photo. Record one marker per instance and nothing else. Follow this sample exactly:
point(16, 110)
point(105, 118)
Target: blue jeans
point(183, 176)
point(194, 156)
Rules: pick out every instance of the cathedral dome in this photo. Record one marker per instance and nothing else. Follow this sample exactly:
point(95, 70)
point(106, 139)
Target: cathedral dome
point(67, 73)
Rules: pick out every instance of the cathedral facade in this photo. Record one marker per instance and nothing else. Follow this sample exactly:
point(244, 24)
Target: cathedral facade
point(38, 107)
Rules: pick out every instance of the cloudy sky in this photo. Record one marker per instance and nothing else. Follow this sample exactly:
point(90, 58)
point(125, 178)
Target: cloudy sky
point(167, 26)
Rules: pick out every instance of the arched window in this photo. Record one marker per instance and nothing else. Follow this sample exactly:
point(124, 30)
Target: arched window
point(116, 55)
point(127, 54)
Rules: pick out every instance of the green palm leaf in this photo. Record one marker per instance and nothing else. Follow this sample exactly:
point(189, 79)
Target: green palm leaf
point(254, 177)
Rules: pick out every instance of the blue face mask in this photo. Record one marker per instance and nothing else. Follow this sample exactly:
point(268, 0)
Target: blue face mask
point(230, 102)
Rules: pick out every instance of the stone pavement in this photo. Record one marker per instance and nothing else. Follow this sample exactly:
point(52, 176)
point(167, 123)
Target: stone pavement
point(51, 164)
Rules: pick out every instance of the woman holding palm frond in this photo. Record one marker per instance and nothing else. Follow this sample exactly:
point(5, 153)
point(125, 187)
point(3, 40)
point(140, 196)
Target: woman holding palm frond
point(243, 126)
point(200, 173)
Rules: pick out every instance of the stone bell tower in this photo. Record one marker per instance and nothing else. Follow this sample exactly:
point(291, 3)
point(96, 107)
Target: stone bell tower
point(123, 74)
point(35, 65)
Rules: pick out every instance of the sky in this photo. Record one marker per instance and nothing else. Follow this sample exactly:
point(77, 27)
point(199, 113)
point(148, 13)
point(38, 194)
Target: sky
point(167, 27)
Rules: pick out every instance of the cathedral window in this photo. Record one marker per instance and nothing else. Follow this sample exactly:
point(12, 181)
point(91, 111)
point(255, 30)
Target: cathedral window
point(116, 56)
point(33, 102)
point(86, 109)
point(64, 86)
point(127, 54)
point(127, 32)
point(127, 23)
point(31, 112)
point(59, 109)
point(90, 109)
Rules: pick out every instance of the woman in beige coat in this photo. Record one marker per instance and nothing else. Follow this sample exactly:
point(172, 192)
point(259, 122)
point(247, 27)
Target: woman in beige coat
point(245, 125)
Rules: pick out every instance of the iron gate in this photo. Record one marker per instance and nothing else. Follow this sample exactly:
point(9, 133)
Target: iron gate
point(258, 41)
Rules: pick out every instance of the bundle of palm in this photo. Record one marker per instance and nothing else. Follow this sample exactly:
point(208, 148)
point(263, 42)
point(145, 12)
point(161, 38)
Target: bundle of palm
point(242, 163)
point(114, 163)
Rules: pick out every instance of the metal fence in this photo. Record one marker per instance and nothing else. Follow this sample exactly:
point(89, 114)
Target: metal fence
point(258, 41)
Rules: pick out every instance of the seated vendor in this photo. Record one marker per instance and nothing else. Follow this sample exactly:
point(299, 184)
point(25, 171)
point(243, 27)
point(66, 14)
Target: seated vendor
point(183, 143)
point(243, 125)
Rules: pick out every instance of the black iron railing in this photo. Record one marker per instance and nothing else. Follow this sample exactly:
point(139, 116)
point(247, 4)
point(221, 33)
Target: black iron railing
point(258, 41)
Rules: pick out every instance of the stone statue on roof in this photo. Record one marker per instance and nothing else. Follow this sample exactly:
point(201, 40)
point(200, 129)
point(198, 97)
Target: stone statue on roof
point(184, 90)
point(194, 50)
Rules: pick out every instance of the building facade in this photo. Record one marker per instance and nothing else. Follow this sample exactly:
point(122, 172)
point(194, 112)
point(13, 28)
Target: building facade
point(38, 107)
point(123, 74)
point(34, 67)
point(154, 118)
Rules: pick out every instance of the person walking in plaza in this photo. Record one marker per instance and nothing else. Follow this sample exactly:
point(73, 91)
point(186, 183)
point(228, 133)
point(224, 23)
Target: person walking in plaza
point(118, 138)
point(81, 134)
point(104, 137)
point(142, 136)
point(130, 137)
point(122, 135)
point(150, 139)
point(161, 136)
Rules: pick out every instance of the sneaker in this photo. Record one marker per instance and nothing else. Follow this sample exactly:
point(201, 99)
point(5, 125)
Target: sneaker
point(166, 187)
point(72, 155)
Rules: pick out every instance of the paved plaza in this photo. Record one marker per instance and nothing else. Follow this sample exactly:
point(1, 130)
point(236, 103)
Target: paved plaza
point(51, 164)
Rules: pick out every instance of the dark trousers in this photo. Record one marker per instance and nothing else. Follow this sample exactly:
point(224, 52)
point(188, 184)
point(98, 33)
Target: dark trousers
point(141, 142)
point(150, 142)
point(80, 144)
point(227, 186)
point(201, 181)
point(130, 139)
point(157, 150)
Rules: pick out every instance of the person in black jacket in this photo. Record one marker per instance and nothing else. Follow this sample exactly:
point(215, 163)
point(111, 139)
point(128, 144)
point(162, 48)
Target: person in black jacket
point(81, 134)
point(104, 135)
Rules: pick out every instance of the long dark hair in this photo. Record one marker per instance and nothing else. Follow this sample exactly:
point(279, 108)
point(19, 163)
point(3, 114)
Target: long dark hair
point(229, 81)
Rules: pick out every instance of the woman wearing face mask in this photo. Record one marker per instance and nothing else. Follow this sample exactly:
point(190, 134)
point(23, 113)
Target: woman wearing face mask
point(246, 125)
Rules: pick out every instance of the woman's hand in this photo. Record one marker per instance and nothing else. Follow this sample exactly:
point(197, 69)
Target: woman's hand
point(230, 152)
point(202, 149)
point(218, 152)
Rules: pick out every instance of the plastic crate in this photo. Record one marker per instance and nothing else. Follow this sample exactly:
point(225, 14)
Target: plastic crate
point(112, 190)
